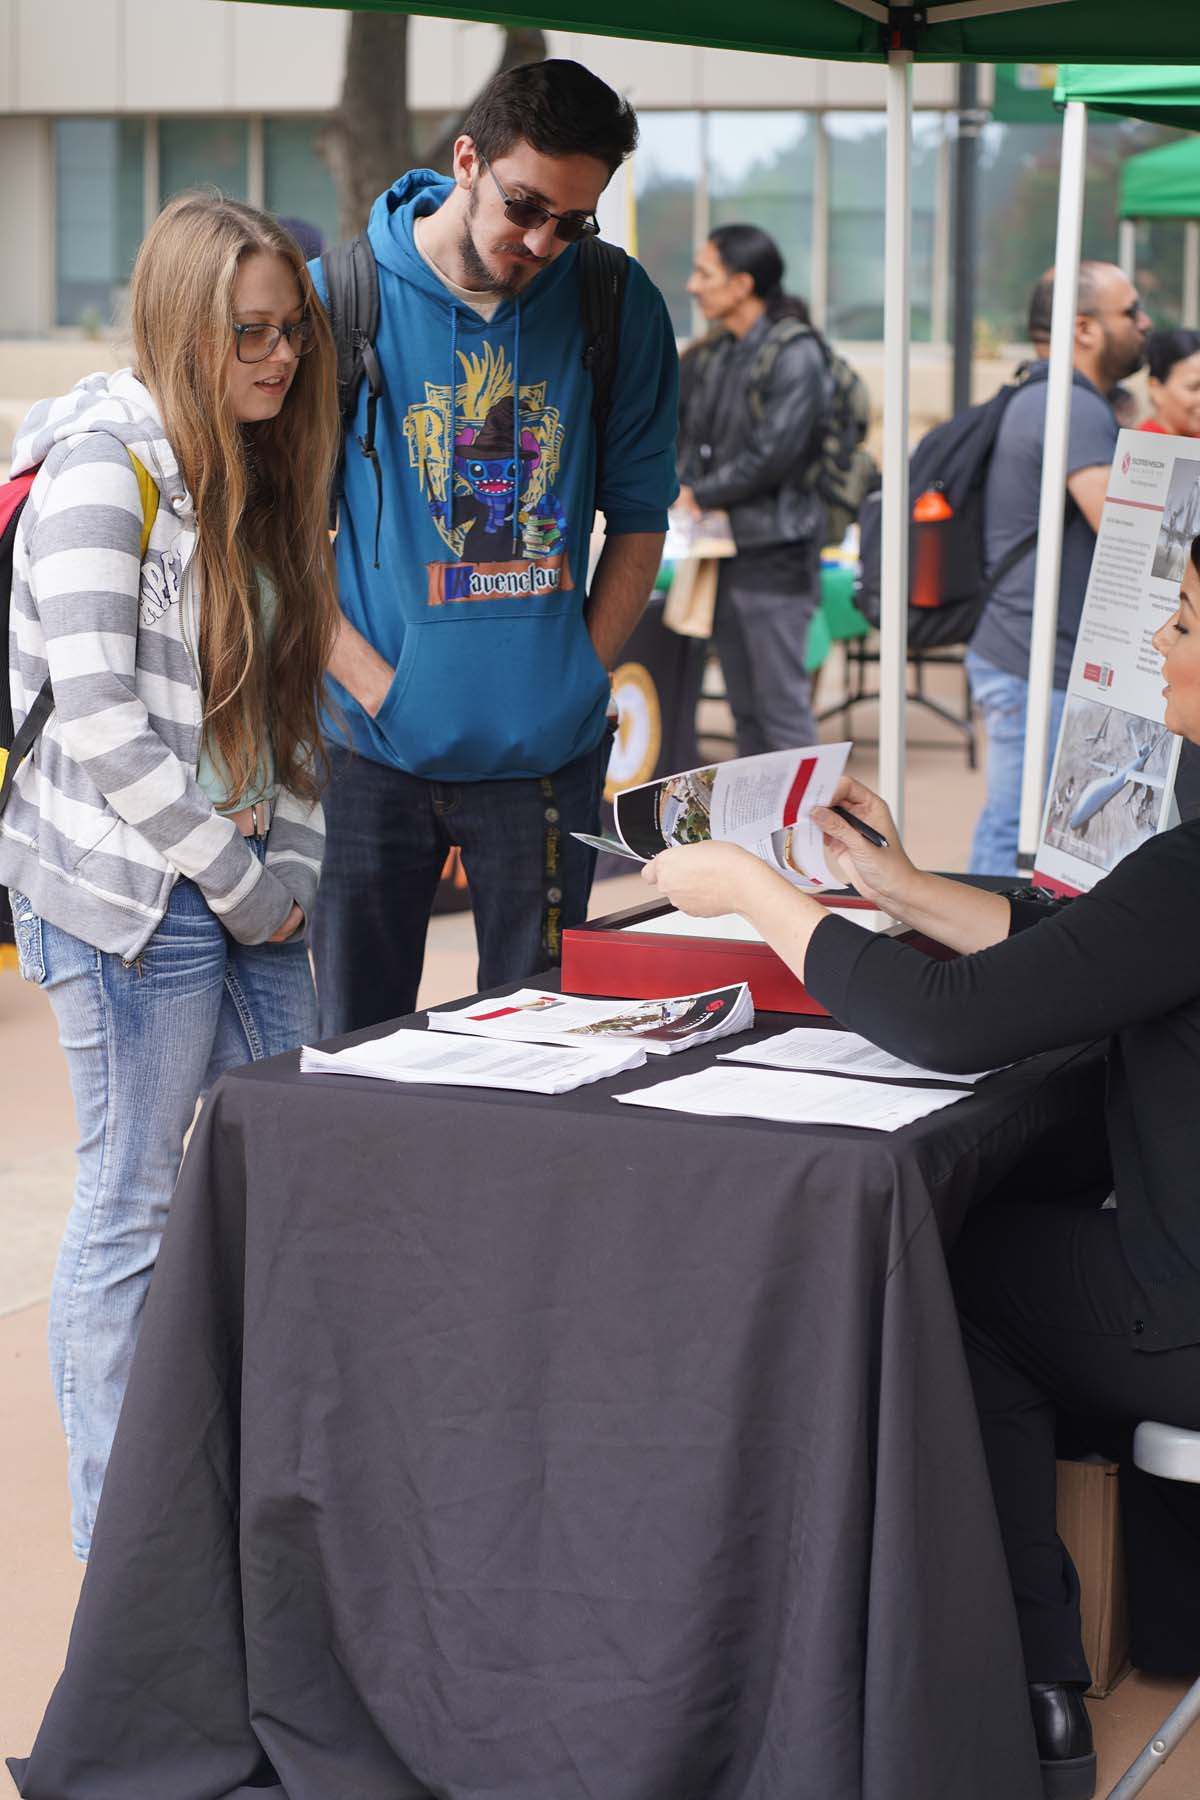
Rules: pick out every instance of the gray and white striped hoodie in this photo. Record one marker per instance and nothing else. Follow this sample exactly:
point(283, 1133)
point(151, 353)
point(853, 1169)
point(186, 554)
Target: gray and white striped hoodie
point(106, 814)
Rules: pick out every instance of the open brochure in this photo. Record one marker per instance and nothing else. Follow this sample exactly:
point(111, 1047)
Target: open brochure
point(445, 1061)
point(660, 1026)
point(843, 1052)
point(727, 1091)
point(1112, 784)
point(764, 803)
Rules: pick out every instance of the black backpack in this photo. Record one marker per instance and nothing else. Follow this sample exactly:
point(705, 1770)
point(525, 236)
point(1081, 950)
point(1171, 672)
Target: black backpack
point(947, 588)
point(839, 469)
point(352, 302)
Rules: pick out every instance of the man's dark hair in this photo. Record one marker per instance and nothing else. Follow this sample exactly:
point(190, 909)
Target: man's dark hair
point(558, 107)
point(1166, 348)
point(1041, 301)
point(749, 250)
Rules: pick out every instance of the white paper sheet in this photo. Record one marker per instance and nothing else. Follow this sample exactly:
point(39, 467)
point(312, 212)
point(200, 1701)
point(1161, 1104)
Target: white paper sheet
point(446, 1060)
point(733, 928)
point(806, 1047)
point(793, 1099)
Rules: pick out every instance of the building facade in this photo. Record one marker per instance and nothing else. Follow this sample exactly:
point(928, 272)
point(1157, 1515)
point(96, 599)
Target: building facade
point(107, 107)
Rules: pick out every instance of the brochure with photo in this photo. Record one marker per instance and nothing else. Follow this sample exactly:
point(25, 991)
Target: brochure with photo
point(659, 1026)
point(1112, 783)
point(764, 803)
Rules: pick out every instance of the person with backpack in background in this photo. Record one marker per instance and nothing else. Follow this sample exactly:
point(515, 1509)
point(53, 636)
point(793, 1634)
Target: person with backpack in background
point(755, 395)
point(489, 424)
point(1110, 335)
point(173, 608)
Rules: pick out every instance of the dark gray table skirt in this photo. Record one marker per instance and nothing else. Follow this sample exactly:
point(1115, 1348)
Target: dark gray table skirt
point(540, 1449)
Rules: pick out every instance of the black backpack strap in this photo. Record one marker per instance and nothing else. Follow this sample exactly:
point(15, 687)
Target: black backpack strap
point(1009, 561)
point(352, 302)
point(26, 737)
point(603, 269)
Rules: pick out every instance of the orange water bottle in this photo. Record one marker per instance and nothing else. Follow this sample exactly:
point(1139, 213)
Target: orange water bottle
point(930, 512)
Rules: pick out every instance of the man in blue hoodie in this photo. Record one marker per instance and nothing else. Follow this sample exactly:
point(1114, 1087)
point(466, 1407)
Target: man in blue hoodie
point(471, 674)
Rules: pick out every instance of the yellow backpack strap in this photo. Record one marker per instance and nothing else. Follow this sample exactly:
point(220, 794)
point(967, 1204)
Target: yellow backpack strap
point(148, 489)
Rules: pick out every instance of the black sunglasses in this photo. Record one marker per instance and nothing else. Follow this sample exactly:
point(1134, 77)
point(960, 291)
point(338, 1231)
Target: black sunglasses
point(256, 342)
point(527, 215)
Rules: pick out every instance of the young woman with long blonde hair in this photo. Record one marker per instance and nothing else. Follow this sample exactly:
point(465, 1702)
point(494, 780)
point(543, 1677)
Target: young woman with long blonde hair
point(163, 840)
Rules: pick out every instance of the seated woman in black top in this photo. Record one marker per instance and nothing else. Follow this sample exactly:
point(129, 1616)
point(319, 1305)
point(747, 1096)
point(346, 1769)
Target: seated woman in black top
point(1095, 1311)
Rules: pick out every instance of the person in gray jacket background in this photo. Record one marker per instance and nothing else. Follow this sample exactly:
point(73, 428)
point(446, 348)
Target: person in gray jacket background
point(752, 397)
point(173, 579)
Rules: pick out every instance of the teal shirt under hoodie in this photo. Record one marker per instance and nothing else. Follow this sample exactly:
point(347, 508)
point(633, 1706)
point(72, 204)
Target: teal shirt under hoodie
point(477, 602)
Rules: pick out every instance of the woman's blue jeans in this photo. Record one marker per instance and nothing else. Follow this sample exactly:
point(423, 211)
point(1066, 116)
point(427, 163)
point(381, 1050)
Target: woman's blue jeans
point(144, 1041)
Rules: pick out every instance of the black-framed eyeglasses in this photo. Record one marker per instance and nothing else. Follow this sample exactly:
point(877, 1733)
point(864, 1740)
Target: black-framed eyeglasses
point(256, 342)
point(527, 215)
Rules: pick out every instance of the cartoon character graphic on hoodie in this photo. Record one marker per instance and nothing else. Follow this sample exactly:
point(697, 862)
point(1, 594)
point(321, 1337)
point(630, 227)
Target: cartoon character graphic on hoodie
point(490, 495)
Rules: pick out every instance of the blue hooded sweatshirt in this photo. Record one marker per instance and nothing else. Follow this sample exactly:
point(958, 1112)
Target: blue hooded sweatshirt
point(478, 600)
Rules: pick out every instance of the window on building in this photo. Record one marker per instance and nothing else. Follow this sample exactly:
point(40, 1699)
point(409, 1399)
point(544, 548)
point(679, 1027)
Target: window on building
point(98, 166)
point(760, 172)
point(856, 222)
point(202, 153)
point(664, 173)
point(298, 182)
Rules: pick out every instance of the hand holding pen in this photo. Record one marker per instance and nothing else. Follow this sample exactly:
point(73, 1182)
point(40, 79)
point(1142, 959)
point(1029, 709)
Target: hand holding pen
point(861, 843)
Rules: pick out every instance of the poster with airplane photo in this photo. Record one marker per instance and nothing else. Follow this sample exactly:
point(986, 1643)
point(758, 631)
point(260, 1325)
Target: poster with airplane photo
point(1113, 770)
point(1112, 773)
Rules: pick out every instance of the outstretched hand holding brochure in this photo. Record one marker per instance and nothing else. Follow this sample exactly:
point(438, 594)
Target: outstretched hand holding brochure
point(532, 1016)
point(764, 803)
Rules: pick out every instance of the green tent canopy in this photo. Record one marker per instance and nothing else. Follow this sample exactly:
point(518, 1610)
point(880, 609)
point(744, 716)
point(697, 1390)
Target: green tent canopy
point(1162, 183)
point(852, 30)
point(1167, 95)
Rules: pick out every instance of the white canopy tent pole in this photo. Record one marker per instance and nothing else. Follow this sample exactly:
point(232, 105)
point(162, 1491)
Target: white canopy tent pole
point(1054, 478)
point(1191, 274)
point(1127, 248)
point(893, 603)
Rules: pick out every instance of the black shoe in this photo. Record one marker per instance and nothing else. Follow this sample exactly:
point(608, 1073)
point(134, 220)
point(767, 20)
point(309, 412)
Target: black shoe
point(1064, 1740)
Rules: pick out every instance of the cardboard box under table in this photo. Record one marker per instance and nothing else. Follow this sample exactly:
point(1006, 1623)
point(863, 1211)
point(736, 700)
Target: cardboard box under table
point(651, 950)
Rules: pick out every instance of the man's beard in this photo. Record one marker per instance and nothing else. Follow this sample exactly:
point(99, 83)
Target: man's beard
point(1120, 363)
point(479, 274)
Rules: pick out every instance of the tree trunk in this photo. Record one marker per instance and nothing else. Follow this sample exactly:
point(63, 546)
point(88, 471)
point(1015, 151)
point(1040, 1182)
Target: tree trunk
point(368, 140)
point(522, 44)
point(367, 143)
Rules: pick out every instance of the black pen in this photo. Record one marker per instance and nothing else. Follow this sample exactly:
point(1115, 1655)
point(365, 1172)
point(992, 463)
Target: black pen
point(864, 830)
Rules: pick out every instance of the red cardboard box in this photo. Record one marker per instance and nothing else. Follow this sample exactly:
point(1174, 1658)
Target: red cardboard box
point(604, 957)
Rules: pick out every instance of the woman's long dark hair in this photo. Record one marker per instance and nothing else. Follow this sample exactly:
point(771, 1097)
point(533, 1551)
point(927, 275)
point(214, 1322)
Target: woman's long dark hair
point(748, 250)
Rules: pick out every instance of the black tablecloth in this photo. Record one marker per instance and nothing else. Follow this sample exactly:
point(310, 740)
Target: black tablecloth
point(535, 1449)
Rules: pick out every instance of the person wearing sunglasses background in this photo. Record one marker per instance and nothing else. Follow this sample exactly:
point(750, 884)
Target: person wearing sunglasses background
point(471, 673)
point(1111, 327)
point(162, 839)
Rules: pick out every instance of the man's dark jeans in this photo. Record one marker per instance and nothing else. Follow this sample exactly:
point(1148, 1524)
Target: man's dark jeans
point(388, 838)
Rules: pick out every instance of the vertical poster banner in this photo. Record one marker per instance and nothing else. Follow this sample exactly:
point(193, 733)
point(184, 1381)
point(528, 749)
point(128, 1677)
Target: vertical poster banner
point(1112, 783)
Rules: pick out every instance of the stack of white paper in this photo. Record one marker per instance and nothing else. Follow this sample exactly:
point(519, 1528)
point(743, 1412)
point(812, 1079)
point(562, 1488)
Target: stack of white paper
point(445, 1061)
point(531, 1016)
point(792, 1099)
point(808, 1047)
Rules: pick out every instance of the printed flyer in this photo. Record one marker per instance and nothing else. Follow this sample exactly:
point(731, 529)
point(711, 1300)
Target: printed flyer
point(1112, 783)
point(764, 803)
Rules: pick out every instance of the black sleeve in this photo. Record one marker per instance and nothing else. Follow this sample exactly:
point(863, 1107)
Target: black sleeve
point(793, 403)
point(1123, 954)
